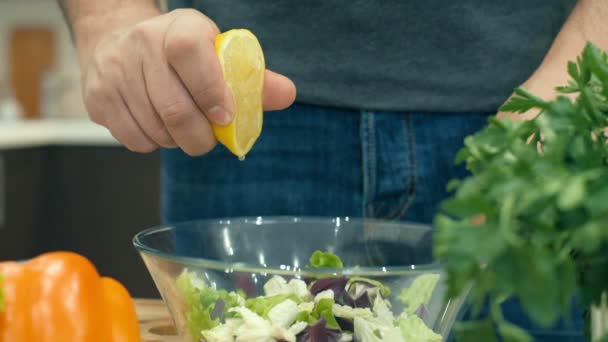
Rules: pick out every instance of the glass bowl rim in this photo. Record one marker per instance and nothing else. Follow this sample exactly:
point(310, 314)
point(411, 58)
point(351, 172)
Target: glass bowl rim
point(302, 271)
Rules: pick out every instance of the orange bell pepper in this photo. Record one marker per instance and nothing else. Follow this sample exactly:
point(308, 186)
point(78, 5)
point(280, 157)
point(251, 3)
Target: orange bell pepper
point(59, 296)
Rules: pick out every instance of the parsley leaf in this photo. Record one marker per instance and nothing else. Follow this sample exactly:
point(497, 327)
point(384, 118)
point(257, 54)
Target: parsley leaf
point(545, 213)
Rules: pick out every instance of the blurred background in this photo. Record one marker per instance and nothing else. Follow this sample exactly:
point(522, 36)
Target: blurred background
point(65, 183)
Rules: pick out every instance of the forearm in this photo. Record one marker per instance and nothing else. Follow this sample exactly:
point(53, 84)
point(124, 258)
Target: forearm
point(75, 10)
point(587, 23)
point(89, 20)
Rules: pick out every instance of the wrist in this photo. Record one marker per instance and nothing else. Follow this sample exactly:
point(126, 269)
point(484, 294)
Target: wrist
point(545, 79)
point(552, 72)
point(90, 29)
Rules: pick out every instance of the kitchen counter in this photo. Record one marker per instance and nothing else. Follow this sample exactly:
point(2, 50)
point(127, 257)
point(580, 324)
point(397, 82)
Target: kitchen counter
point(154, 321)
point(47, 132)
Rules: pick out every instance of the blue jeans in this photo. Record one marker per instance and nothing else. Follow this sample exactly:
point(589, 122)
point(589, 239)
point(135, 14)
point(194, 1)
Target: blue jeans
point(331, 162)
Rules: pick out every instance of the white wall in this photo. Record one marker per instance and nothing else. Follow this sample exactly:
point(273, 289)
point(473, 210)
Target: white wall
point(35, 12)
point(63, 100)
point(67, 100)
point(47, 12)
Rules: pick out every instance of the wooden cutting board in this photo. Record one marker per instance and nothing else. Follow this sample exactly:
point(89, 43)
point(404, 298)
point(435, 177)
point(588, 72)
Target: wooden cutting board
point(155, 322)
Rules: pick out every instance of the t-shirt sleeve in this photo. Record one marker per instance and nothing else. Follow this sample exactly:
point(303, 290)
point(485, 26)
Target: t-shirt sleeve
point(173, 4)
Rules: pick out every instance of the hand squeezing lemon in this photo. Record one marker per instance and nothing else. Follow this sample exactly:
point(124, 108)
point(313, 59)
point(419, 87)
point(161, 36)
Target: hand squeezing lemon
point(242, 62)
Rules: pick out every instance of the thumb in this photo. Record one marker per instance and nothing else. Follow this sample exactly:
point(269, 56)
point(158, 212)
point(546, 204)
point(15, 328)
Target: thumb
point(279, 91)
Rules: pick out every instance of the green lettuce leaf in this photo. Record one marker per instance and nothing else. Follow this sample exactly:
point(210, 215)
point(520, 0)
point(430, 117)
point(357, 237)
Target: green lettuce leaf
point(201, 300)
point(414, 329)
point(384, 290)
point(223, 332)
point(347, 312)
point(320, 259)
point(373, 330)
point(263, 304)
point(419, 292)
point(324, 309)
point(305, 316)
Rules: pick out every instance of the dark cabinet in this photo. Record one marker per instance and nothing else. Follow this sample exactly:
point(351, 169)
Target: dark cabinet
point(87, 199)
point(22, 202)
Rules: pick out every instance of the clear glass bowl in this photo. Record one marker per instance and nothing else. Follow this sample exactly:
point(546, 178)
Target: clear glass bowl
point(244, 253)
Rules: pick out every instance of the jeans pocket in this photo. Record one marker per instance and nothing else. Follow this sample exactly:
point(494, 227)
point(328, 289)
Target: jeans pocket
point(389, 164)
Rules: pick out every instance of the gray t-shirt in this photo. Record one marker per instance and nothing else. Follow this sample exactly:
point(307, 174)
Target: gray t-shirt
point(406, 55)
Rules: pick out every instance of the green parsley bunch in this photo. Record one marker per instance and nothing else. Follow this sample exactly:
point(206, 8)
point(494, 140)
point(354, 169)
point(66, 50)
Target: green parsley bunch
point(542, 188)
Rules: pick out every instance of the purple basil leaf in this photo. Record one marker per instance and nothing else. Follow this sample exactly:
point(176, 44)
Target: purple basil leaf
point(422, 312)
point(218, 309)
point(345, 323)
point(319, 333)
point(360, 295)
point(360, 302)
point(244, 282)
point(337, 285)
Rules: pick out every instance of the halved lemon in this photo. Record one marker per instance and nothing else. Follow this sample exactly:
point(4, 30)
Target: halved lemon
point(243, 65)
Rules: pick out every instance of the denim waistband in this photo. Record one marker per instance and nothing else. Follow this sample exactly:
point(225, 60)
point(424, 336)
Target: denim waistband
point(324, 161)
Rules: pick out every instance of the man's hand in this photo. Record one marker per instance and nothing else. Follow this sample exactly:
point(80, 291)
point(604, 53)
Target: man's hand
point(158, 82)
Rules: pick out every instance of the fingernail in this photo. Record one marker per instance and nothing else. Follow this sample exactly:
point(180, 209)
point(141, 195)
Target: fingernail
point(219, 115)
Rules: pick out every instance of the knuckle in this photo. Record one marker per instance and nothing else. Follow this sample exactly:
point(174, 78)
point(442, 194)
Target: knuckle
point(97, 117)
point(200, 149)
point(117, 134)
point(133, 145)
point(182, 11)
point(140, 148)
point(181, 43)
point(144, 148)
point(209, 92)
point(109, 60)
point(113, 59)
point(184, 34)
point(93, 91)
point(161, 136)
point(94, 94)
point(175, 113)
point(212, 27)
point(140, 34)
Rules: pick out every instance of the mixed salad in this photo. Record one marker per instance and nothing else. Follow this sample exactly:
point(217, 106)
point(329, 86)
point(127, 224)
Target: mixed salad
point(322, 309)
